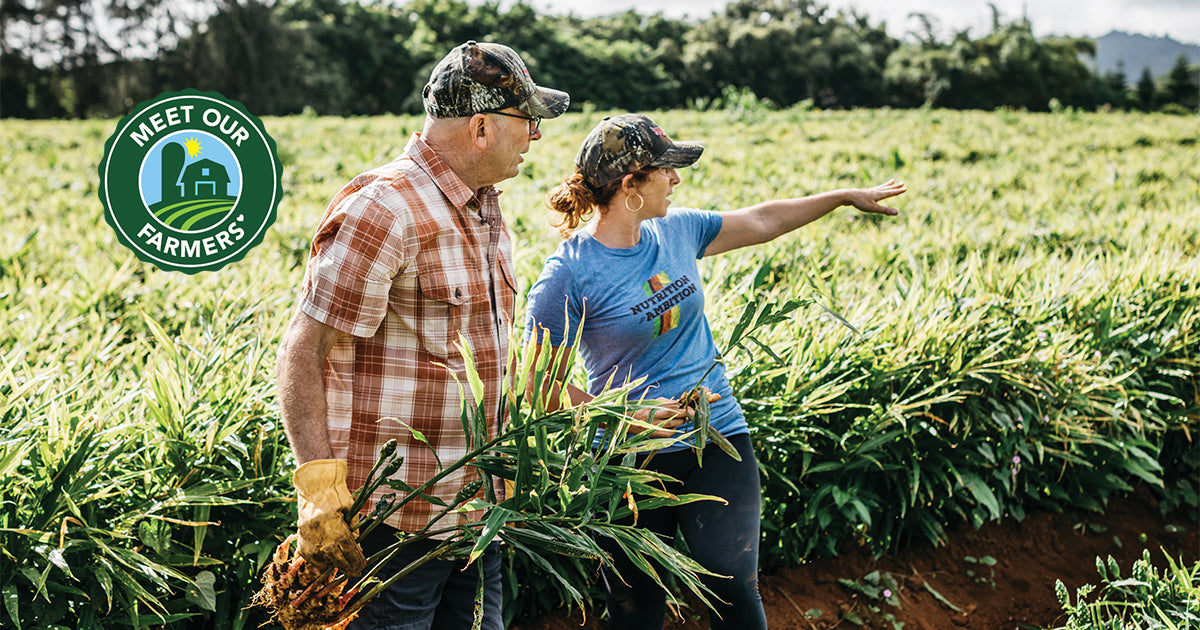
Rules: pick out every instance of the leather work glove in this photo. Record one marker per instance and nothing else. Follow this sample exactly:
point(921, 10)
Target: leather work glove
point(325, 538)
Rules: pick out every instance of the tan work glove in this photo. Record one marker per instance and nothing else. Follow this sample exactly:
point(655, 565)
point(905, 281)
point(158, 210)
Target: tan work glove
point(325, 539)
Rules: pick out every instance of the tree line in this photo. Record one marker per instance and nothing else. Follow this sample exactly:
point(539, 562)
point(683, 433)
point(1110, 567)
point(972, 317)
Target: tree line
point(86, 58)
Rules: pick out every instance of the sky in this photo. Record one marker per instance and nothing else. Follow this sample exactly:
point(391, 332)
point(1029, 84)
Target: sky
point(1178, 19)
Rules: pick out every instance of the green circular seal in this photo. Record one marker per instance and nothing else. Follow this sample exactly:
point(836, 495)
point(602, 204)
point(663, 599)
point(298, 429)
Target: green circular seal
point(190, 181)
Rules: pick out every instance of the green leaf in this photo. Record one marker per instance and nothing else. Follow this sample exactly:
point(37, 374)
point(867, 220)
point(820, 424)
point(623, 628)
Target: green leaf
point(163, 342)
point(982, 493)
point(155, 534)
point(137, 591)
point(420, 437)
point(877, 440)
point(12, 603)
point(495, 521)
point(189, 560)
point(103, 576)
point(476, 383)
point(1141, 472)
point(202, 591)
point(56, 557)
point(742, 325)
point(200, 515)
point(650, 503)
point(838, 318)
point(572, 546)
point(724, 444)
point(11, 459)
point(864, 515)
point(942, 598)
point(537, 558)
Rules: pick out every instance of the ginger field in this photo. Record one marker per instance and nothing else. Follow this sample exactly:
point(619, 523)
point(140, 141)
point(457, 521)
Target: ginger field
point(1025, 335)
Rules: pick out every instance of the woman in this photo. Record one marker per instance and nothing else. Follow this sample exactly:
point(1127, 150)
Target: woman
point(631, 277)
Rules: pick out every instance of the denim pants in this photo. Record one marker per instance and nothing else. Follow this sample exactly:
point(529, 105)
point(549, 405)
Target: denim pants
point(722, 538)
point(438, 595)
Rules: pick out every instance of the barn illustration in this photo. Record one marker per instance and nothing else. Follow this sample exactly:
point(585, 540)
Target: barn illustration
point(195, 196)
point(205, 178)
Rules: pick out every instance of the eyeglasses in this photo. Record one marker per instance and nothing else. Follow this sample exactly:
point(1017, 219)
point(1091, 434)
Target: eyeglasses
point(534, 121)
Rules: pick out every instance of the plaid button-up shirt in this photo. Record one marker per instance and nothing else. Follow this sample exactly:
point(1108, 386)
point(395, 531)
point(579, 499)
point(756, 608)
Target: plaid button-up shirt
point(406, 259)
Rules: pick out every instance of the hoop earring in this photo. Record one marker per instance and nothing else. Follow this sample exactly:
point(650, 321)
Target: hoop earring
point(641, 204)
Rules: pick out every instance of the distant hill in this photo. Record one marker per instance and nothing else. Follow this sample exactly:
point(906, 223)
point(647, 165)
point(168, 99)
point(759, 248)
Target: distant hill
point(1141, 51)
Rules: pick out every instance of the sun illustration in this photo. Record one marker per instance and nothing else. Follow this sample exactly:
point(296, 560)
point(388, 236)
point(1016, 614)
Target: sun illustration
point(193, 147)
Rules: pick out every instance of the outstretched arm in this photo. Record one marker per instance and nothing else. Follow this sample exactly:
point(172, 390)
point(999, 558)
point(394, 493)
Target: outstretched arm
point(771, 219)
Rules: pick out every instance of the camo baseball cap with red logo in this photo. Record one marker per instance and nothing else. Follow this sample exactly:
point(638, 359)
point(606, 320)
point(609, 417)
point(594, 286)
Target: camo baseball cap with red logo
point(475, 78)
point(622, 144)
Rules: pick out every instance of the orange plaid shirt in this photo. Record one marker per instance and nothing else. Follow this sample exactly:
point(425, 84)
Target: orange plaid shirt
point(406, 258)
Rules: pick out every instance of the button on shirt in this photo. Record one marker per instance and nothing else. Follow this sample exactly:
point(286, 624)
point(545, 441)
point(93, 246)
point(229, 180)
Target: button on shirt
point(406, 259)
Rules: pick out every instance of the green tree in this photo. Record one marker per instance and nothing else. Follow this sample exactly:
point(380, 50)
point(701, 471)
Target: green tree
point(83, 58)
point(1007, 67)
point(54, 44)
point(1116, 79)
point(1147, 91)
point(1113, 88)
point(247, 53)
point(1182, 85)
point(356, 57)
point(786, 51)
point(602, 59)
point(919, 75)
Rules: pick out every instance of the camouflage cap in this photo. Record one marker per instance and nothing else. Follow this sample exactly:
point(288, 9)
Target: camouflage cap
point(622, 144)
point(476, 78)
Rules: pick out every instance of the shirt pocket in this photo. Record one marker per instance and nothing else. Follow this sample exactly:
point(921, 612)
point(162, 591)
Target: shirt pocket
point(444, 306)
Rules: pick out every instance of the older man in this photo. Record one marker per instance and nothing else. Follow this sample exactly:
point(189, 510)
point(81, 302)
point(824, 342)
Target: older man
point(407, 257)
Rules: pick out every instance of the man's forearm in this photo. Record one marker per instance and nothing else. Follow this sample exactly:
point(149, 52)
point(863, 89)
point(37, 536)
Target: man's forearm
point(300, 382)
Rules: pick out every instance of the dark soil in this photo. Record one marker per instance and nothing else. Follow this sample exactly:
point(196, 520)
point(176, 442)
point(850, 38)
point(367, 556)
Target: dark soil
point(1017, 592)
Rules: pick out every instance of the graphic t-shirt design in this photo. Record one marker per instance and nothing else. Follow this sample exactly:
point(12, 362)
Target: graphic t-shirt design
point(662, 301)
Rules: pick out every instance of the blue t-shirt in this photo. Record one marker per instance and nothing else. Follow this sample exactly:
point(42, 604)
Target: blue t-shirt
point(642, 310)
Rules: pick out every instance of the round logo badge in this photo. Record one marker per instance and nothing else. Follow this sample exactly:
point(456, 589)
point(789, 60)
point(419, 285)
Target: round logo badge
point(190, 181)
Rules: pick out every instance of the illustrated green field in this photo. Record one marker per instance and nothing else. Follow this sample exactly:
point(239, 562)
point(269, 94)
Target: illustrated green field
point(192, 214)
point(1024, 335)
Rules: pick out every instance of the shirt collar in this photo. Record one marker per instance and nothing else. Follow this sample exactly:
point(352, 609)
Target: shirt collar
point(446, 179)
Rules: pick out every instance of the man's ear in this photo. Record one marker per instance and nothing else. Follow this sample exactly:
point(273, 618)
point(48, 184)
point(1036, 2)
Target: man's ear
point(479, 130)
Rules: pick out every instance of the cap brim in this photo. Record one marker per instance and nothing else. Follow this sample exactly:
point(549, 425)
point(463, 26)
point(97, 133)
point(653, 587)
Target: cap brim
point(679, 155)
point(547, 103)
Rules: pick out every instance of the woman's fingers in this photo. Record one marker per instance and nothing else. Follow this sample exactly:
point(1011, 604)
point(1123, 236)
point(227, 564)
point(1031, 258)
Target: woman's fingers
point(869, 198)
point(671, 415)
point(891, 189)
point(668, 413)
point(667, 424)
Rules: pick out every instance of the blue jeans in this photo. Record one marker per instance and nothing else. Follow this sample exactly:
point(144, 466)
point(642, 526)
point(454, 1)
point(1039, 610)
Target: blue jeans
point(438, 595)
point(722, 538)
